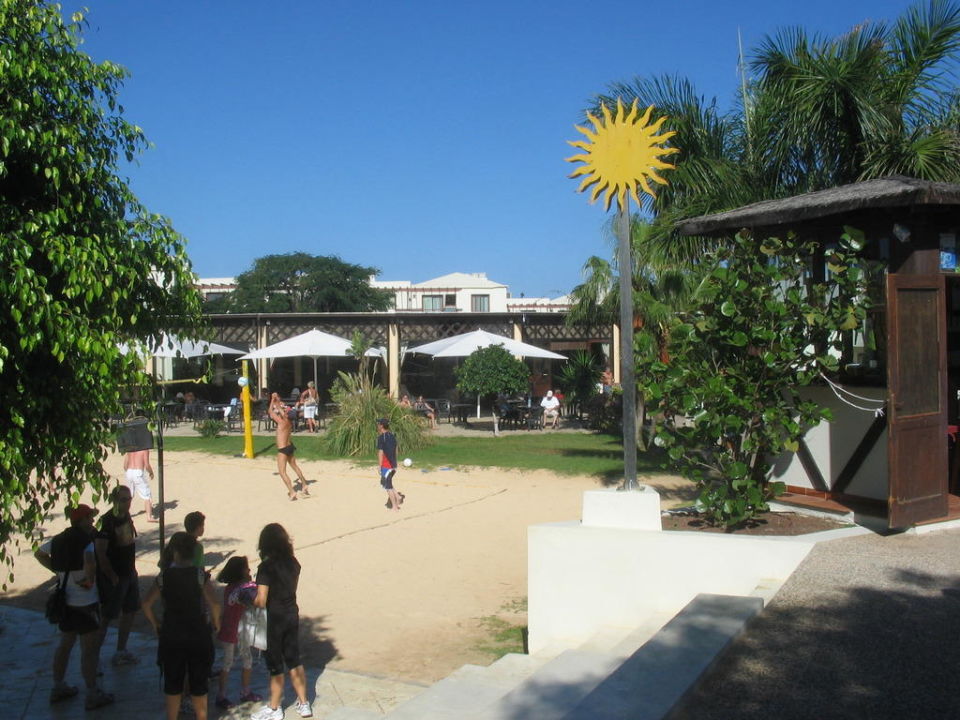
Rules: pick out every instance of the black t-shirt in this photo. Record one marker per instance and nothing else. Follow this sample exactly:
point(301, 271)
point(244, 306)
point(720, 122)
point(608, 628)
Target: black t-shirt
point(66, 549)
point(281, 576)
point(121, 548)
point(184, 619)
point(388, 443)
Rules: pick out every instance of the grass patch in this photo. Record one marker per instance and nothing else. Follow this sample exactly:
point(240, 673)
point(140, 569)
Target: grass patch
point(592, 454)
point(502, 636)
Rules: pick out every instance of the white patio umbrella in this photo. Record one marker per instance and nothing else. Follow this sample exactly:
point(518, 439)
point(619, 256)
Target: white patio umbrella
point(468, 343)
point(170, 346)
point(313, 343)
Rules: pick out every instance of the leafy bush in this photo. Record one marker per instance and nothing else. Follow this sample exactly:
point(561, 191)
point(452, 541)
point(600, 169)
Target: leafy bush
point(210, 428)
point(760, 329)
point(353, 431)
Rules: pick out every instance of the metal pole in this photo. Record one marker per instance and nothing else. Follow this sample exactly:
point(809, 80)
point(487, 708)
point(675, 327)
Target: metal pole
point(160, 511)
point(627, 370)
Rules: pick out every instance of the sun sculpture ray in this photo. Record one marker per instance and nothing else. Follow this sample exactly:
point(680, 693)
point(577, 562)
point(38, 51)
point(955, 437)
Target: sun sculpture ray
point(621, 154)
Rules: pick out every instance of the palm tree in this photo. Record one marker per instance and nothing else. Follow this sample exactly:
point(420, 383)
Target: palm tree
point(815, 112)
point(658, 295)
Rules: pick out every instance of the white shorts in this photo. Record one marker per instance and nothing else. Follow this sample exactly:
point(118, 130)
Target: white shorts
point(242, 651)
point(138, 483)
point(309, 412)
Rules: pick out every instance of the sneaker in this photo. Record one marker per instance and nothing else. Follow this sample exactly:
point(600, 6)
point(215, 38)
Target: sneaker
point(303, 708)
point(62, 692)
point(267, 713)
point(250, 696)
point(97, 699)
point(223, 703)
point(124, 657)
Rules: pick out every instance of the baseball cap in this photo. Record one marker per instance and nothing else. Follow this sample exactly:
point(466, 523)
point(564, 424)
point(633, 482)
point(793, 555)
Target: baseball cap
point(384, 422)
point(82, 511)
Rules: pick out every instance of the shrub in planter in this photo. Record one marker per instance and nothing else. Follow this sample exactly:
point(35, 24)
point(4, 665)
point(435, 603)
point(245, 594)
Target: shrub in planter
point(760, 329)
point(210, 428)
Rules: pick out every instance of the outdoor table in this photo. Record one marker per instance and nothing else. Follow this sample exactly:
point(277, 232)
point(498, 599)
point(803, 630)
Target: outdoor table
point(460, 411)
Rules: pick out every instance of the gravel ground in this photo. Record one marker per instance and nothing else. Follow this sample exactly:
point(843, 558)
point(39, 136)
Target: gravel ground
point(867, 627)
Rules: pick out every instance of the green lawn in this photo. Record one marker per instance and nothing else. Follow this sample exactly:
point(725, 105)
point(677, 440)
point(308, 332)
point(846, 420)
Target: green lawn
point(571, 454)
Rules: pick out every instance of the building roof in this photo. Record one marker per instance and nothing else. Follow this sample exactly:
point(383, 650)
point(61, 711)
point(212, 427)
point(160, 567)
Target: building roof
point(892, 191)
point(460, 280)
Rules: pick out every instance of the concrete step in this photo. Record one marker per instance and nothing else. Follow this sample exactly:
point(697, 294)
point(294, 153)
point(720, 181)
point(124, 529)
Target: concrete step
point(621, 683)
point(453, 698)
point(657, 677)
point(349, 713)
point(338, 690)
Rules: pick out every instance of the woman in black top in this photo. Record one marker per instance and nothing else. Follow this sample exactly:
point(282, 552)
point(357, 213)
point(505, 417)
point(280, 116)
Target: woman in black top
point(186, 645)
point(277, 579)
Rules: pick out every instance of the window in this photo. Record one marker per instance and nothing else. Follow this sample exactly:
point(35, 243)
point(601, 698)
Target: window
point(432, 303)
point(479, 303)
point(449, 302)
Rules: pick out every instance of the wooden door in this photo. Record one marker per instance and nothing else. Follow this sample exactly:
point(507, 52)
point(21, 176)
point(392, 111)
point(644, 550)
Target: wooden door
point(917, 383)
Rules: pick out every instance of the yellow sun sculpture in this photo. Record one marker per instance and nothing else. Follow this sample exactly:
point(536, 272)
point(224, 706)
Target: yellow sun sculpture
point(621, 153)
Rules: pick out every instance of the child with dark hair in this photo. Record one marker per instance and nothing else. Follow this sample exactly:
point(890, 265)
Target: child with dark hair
point(186, 649)
point(238, 595)
point(195, 524)
point(277, 579)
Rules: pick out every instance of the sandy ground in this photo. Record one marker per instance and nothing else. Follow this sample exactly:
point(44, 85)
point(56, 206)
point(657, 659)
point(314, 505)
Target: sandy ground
point(394, 594)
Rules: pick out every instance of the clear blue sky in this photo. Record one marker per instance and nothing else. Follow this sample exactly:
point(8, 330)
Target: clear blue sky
point(421, 137)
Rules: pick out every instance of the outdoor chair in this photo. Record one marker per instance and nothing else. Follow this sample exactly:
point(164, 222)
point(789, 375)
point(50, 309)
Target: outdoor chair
point(443, 409)
point(534, 419)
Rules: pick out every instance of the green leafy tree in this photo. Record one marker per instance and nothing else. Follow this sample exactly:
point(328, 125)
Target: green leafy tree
point(299, 282)
point(492, 370)
point(83, 266)
point(759, 331)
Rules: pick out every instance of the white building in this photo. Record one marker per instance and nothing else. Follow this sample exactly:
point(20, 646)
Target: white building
point(455, 292)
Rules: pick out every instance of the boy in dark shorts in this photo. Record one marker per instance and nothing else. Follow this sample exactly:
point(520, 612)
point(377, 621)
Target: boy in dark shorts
point(117, 572)
point(387, 455)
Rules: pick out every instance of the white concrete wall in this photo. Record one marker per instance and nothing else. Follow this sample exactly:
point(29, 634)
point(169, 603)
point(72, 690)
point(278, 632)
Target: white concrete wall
point(581, 578)
point(832, 443)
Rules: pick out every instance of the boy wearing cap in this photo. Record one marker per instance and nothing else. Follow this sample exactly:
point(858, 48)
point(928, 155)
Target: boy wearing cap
point(72, 556)
point(387, 455)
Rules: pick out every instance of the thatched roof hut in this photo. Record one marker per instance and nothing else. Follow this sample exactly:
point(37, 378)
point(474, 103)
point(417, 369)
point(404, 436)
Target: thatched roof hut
point(886, 193)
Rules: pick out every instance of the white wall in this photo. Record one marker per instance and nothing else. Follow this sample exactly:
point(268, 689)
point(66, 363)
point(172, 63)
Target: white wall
point(583, 578)
point(832, 443)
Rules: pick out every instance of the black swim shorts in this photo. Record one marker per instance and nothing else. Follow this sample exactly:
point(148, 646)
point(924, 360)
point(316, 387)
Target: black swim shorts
point(288, 450)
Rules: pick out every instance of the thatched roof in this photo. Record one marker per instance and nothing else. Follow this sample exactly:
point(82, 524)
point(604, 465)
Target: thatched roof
point(893, 191)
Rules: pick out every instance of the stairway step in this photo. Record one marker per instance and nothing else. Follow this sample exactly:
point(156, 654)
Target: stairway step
point(351, 713)
point(450, 699)
point(341, 690)
point(553, 689)
point(656, 677)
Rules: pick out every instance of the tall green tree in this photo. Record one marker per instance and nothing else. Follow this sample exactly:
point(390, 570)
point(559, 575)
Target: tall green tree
point(300, 282)
point(83, 266)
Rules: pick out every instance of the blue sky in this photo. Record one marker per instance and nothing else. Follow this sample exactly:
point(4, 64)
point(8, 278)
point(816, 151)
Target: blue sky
point(420, 137)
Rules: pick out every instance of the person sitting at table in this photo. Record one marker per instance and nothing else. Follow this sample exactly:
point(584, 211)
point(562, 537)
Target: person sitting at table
point(425, 409)
point(551, 409)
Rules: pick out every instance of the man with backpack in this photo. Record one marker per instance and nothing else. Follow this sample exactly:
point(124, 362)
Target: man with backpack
point(72, 556)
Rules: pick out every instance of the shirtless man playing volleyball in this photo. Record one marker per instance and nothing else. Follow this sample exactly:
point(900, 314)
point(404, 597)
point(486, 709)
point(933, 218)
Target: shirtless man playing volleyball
point(285, 448)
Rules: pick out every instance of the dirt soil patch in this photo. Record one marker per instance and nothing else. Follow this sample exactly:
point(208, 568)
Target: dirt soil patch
point(770, 523)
